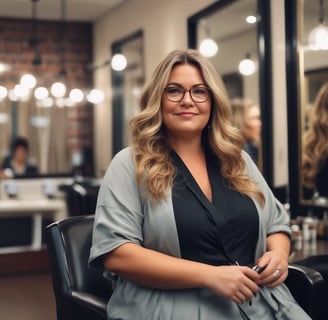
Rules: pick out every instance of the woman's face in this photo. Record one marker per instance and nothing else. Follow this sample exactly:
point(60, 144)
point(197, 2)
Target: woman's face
point(253, 125)
point(186, 118)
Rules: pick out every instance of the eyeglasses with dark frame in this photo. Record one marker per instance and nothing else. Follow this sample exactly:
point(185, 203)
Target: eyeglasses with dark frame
point(198, 93)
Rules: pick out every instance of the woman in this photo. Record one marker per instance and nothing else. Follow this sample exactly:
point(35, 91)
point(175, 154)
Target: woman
point(184, 213)
point(315, 155)
point(246, 116)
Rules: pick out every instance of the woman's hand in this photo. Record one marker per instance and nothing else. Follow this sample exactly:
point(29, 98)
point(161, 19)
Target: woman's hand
point(275, 261)
point(237, 283)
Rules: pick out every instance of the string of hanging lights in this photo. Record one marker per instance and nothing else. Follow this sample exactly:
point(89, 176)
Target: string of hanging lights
point(58, 93)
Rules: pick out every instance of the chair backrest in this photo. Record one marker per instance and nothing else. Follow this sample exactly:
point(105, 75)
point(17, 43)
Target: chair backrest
point(81, 198)
point(68, 243)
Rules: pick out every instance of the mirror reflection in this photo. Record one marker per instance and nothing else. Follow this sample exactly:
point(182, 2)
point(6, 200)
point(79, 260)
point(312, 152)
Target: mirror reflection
point(232, 47)
point(314, 106)
point(126, 87)
point(44, 93)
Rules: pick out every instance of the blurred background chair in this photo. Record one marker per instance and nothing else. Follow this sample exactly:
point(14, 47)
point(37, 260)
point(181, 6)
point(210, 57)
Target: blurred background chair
point(81, 197)
point(81, 292)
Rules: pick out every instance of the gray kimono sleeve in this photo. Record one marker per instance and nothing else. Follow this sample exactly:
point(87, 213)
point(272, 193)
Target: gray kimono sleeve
point(118, 217)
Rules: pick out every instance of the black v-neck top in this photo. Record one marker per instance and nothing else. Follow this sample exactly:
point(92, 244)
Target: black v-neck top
point(204, 228)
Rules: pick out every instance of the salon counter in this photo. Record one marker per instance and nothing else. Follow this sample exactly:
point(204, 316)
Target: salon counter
point(39, 199)
point(308, 249)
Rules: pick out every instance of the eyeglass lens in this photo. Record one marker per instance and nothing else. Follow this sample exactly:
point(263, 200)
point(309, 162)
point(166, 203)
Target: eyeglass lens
point(197, 94)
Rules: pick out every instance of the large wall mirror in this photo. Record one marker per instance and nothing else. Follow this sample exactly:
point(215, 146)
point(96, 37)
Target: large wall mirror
point(241, 29)
point(57, 124)
point(307, 77)
point(126, 86)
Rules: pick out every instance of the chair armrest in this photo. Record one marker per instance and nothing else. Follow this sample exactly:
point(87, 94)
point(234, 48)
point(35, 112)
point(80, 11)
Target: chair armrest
point(313, 277)
point(91, 302)
point(307, 287)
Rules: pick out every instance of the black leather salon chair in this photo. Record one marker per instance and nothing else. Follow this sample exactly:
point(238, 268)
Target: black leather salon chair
point(81, 292)
point(320, 264)
point(308, 288)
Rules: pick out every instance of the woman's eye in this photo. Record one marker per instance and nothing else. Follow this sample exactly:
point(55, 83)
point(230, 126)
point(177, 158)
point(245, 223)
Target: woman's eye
point(173, 90)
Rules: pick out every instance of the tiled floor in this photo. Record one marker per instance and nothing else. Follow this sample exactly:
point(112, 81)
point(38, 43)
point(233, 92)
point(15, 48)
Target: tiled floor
point(27, 296)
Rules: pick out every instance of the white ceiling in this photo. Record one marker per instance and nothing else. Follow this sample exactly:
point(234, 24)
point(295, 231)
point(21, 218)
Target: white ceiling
point(76, 10)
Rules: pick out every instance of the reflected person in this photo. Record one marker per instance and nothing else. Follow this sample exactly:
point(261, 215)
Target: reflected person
point(315, 150)
point(183, 213)
point(18, 164)
point(246, 117)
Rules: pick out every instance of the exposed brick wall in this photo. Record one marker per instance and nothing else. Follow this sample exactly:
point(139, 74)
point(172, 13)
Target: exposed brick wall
point(16, 50)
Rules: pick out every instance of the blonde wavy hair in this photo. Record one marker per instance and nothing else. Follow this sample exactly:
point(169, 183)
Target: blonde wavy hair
point(239, 108)
point(315, 150)
point(154, 167)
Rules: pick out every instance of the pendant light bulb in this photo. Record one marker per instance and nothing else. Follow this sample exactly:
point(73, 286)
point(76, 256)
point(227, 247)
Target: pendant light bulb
point(247, 66)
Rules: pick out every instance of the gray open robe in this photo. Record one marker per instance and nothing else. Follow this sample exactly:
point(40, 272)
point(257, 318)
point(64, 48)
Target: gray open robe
point(124, 215)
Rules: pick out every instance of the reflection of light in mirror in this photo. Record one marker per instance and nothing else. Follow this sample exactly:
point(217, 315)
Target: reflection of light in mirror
point(12, 95)
point(318, 38)
point(4, 67)
point(60, 102)
point(28, 81)
point(39, 122)
point(3, 92)
point(3, 117)
point(46, 103)
point(68, 102)
point(58, 89)
point(119, 62)
point(77, 158)
point(20, 91)
point(95, 96)
point(208, 48)
point(41, 93)
point(251, 19)
point(247, 66)
point(136, 91)
point(76, 95)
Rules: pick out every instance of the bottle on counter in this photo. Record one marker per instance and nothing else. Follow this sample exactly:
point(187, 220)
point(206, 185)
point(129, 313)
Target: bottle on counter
point(322, 229)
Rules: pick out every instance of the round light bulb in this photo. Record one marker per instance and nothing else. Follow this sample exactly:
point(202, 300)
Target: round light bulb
point(251, 19)
point(118, 62)
point(247, 67)
point(95, 96)
point(41, 93)
point(28, 81)
point(58, 89)
point(20, 91)
point(3, 92)
point(76, 95)
point(12, 95)
point(208, 48)
point(318, 38)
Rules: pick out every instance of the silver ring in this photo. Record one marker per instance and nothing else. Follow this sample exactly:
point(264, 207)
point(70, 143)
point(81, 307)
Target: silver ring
point(276, 273)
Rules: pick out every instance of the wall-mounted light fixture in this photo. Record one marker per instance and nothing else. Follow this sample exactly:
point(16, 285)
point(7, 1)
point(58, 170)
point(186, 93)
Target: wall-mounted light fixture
point(318, 36)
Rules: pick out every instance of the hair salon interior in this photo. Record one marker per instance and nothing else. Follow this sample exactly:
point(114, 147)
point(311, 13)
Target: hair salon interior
point(71, 73)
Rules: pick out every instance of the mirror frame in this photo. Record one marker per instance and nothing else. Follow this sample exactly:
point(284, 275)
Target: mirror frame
point(295, 82)
point(265, 74)
point(118, 124)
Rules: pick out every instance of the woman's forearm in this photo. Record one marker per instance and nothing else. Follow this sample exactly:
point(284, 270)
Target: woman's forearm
point(279, 242)
point(152, 268)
